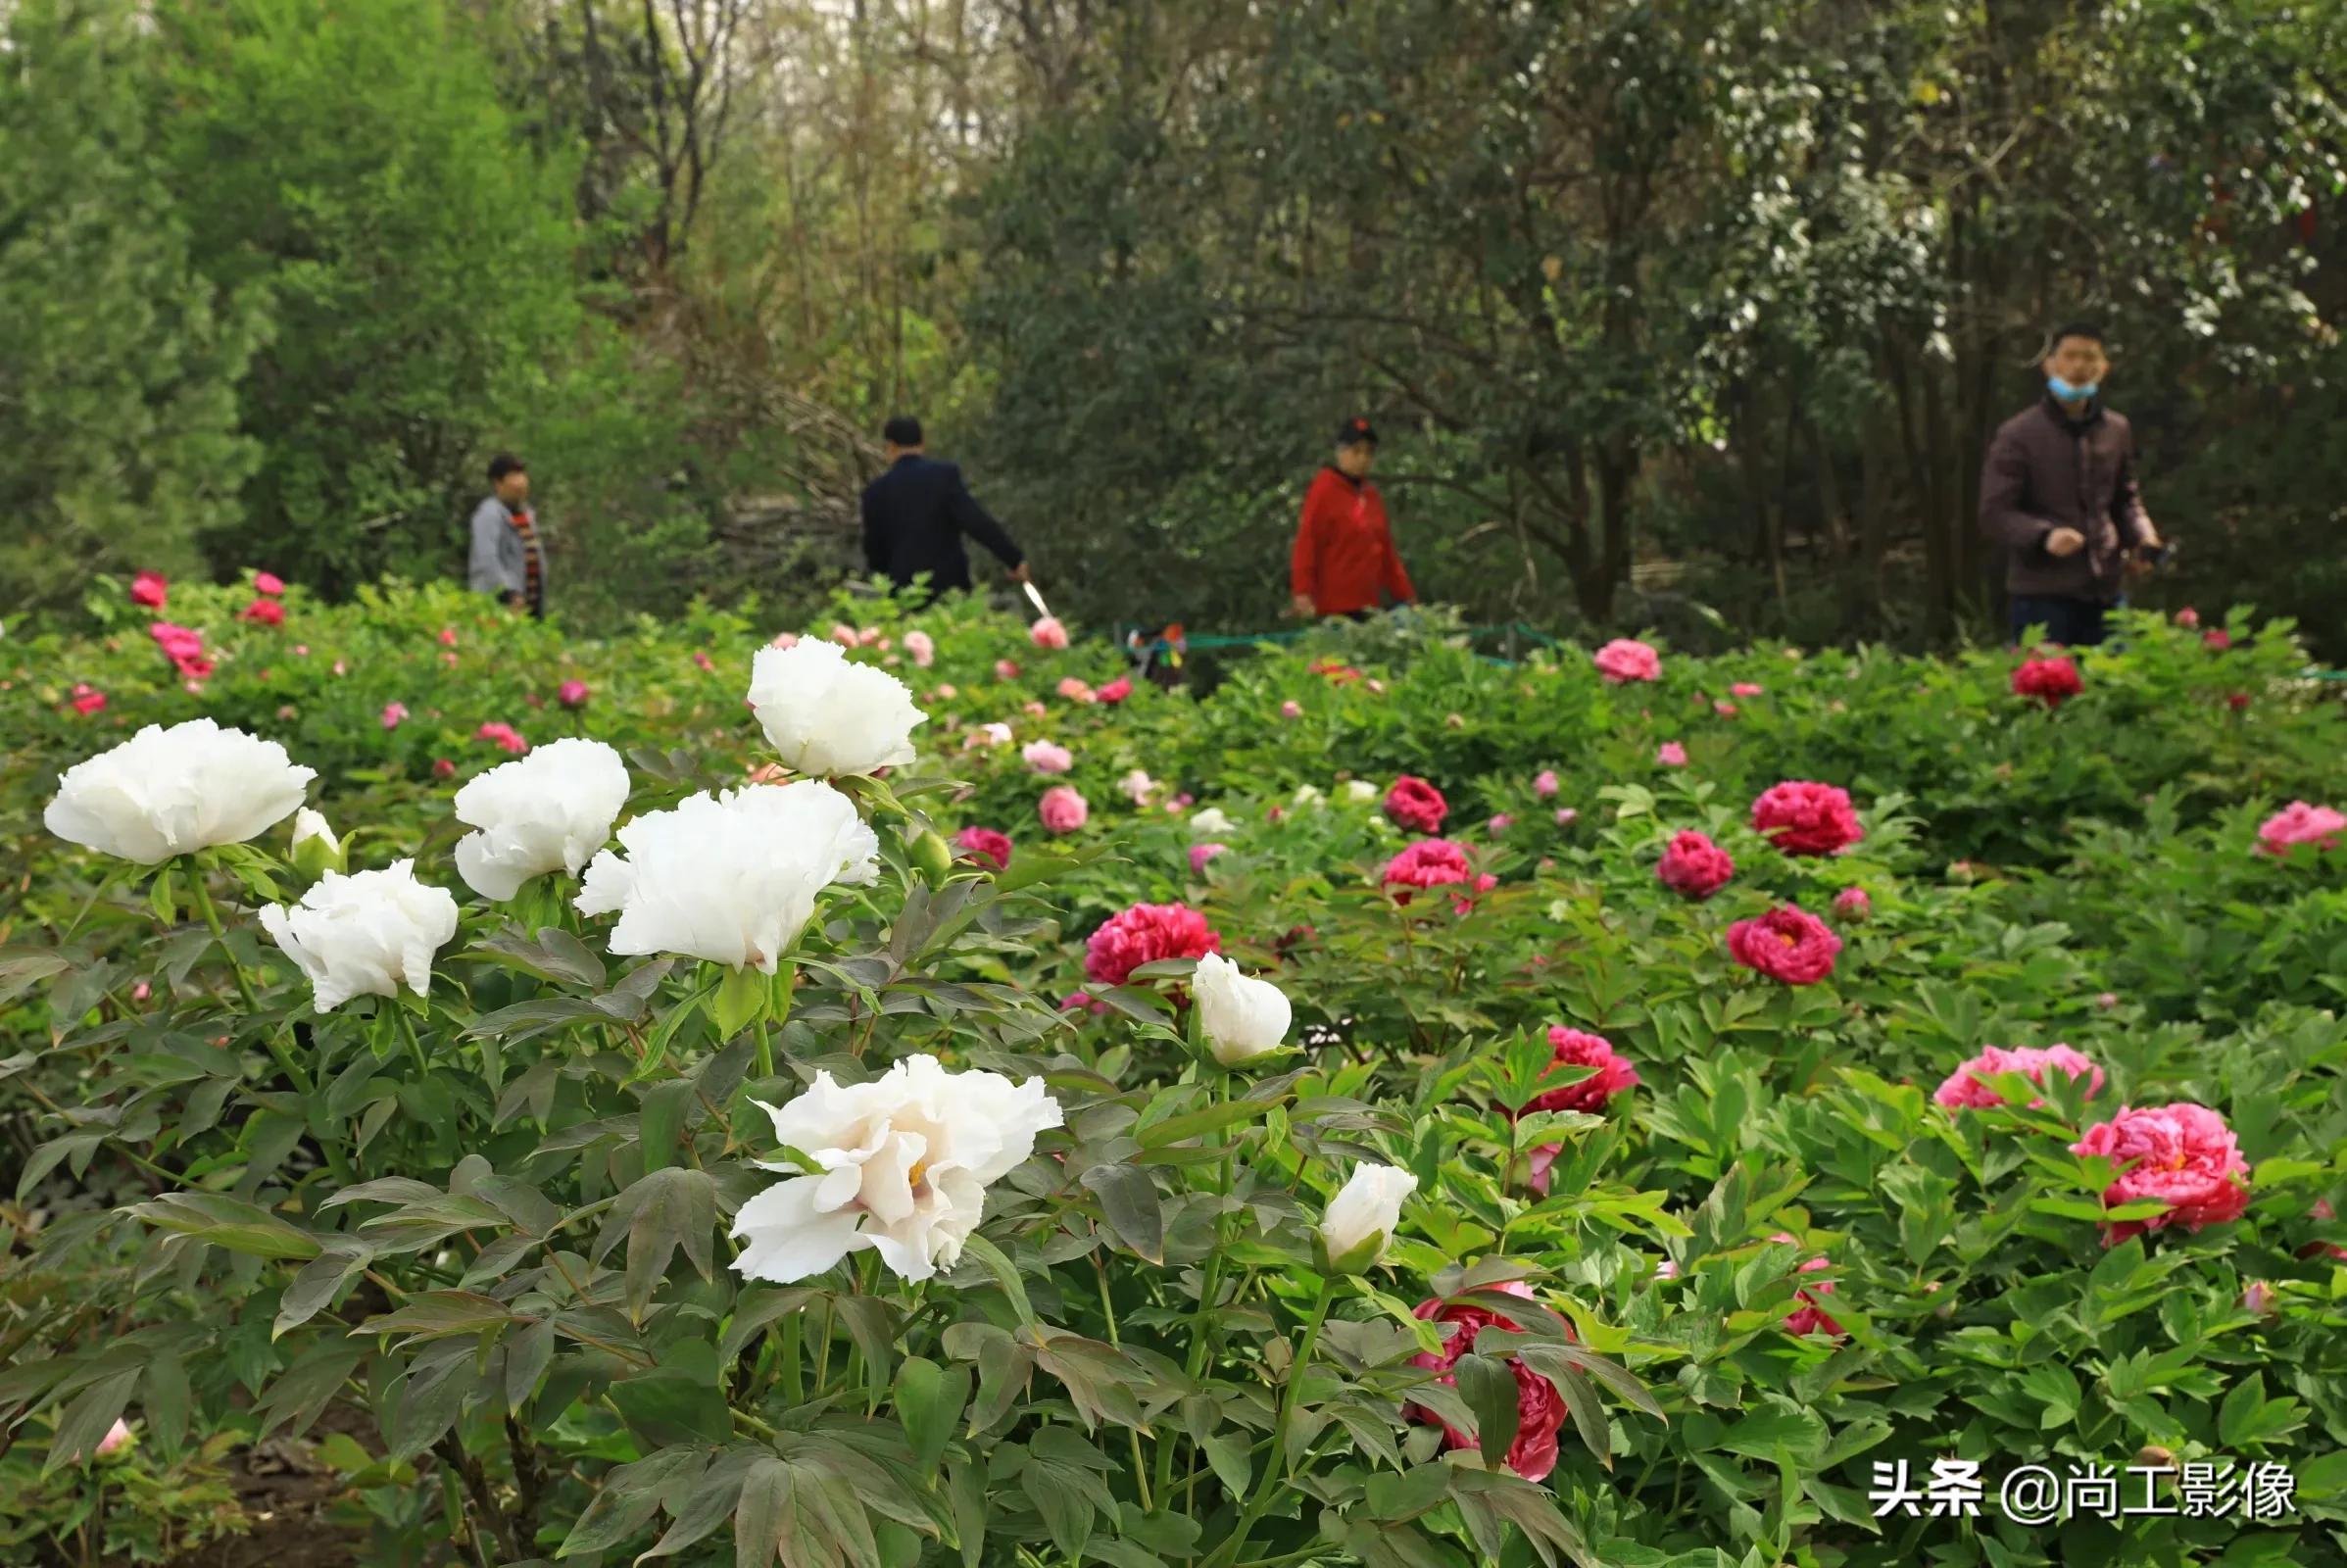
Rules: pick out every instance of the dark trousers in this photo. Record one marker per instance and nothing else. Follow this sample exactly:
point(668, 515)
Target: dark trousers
point(2072, 623)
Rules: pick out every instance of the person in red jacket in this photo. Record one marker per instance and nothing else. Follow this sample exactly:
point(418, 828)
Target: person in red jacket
point(1345, 552)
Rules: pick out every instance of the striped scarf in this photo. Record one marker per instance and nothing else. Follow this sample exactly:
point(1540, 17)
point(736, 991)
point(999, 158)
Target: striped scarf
point(525, 525)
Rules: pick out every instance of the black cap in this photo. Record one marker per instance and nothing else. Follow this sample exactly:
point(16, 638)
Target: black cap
point(903, 431)
point(1354, 431)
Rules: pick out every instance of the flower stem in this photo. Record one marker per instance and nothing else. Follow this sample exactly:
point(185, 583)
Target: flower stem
point(211, 918)
point(1275, 1463)
point(765, 1050)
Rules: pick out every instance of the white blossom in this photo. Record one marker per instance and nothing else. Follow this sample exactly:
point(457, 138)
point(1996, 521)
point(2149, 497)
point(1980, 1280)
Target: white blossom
point(366, 934)
point(1370, 1205)
point(828, 716)
point(166, 792)
point(1241, 1017)
point(547, 812)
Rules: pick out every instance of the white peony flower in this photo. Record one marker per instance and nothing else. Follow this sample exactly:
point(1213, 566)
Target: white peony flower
point(365, 934)
point(1309, 795)
point(314, 849)
point(1210, 823)
point(1241, 1018)
point(546, 812)
point(905, 1161)
point(1138, 786)
point(1370, 1205)
point(1360, 790)
point(166, 792)
point(827, 716)
point(733, 877)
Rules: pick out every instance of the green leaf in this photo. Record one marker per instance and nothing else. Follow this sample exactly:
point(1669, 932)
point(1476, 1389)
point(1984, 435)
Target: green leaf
point(741, 999)
point(1005, 1274)
point(630, 1494)
point(1130, 1200)
point(166, 1399)
point(664, 1210)
point(318, 1281)
point(86, 1421)
point(669, 1405)
point(227, 1222)
point(1762, 1432)
point(660, 1121)
point(1489, 1389)
point(929, 1402)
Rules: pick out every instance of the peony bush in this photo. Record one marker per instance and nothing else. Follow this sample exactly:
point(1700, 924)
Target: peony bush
point(760, 1119)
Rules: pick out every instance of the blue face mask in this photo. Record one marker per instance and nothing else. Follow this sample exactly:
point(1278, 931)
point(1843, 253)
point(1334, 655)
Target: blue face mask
point(2071, 394)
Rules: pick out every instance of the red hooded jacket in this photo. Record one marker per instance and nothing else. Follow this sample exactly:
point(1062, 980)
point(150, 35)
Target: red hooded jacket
point(1344, 549)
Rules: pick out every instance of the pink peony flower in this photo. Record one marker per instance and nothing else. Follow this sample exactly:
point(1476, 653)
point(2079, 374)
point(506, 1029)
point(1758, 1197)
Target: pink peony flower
point(394, 714)
point(1567, 816)
point(442, 768)
point(1291, 709)
point(150, 588)
point(1062, 809)
point(1375, 686)
point(1137, 786)
point(1085, 1002)
point(141, 992)
point(1116, 691)
point(1544, 783)
point(1074, 689)
point(1744, 688)
point(1852, 903)
point(301, 650)
point(1414, 804)
point(985, 843)
point(1801, 818)
point(1033, 710)
point(1047, 633)
point(2051, 681)
point(1200, 853)
point(269, 583)
point(505, 735)
point(786, 639)
point(1969, 1084)
point(1726, 710)
point(341, 668)
point(1570, 1047)
point(2188, 618)
point(843, 634)
point(1005, 669)
point(1047, 757)
point(87, 700)
point(1334, 673)
point(1670, 753)
point(1785, 944)
point(2107, 1000)
point(1433, 864)
point(919, 645)
point(2300, 824)
point(2217, 640)
point(117, 1436)
point(1540, 1408)
point(264, 613)
point(995, 734)
point(2258, 1297)
point(572, 694)
point(1147, 933)
point(1811, 1315)
point(1694, 866)
point(2184, 1156)
point(448, 636)
point(1499, 825)
point(2324, 1213)
point(701, 658)
point(869, 637)
point(1625, 660)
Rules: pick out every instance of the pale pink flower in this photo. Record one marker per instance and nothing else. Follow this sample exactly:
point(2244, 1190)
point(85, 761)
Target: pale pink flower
point(869, 636)
point(1499, 825)
point(1744, 688)
point(394, 715)
point(1625, 660)
point(1291, 709)
point(2300, 824)
point(919, 645)
point(141, 992)
point(1074, 689)
point(1544, 783)
point(1136, 787)
point(785, 639)
point(1566, 816)
point(115, 1436)
point(1005, 669)
point(1048, 757)
point(340, 668)
point(1047, 633)
point(1670, 753)
point(1970, 1084)
point(1200, 853)
point(1033, 710)
point(843, 634)
point(946, 692)
point(1062, 809)
point(301, 650)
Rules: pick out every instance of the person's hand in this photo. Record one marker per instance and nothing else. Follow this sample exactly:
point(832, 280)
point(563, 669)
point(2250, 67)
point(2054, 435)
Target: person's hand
point(1018, 573)
point(518, 600)
point(2148, 537)
point(2064, 543)
point(1302, 608)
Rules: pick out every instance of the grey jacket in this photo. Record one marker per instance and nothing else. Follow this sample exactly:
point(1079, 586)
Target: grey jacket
point(497, 563)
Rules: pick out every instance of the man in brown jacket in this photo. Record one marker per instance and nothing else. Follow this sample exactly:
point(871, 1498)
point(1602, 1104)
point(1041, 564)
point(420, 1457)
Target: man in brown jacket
point(2059, 492)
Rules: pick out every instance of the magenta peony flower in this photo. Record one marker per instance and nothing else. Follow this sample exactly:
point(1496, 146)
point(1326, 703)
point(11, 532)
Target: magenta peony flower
point(1414, 804)
point(1047, 757)
point(1969, 1084)
point(1570, 1048)
point(2300, 824)
point(1047, 633)
point(442, 768)
point(1540, 1408)
point(1062, 809)
point(917, 643)
point(1147, 933)
point(269, 583)
point(1499, 825)
point(1811, 1315)
point(1744, 688)
point(984, 844)
point(1085, 1002)
point(394, 715)
point(505, 735)
point(1625, 660)
point(150, 589)
point(1852, 903)
point(1801, 818)
point(1544, 783)
point(1116, 691)
point(1433, 864)
point(1785, 944)
point(1075, 691)
point(2051, 681)
point(1670, 753)
point(1200, 853)
point(572, 694)
point(87, 700)
point(264, 613)
point(2217, 640)
point(2188, 618)
point(1694, 866)
point(2184, 1156)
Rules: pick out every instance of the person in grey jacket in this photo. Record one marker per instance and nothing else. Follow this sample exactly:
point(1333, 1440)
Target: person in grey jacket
point(506, 560)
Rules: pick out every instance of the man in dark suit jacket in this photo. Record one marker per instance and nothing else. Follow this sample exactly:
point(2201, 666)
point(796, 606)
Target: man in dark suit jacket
point(915, 514)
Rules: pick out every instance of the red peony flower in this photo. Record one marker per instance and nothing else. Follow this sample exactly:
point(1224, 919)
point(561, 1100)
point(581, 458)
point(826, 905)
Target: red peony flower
point(1695, 866)
point(2216, 641)
point(572, 694)
point(985, 843)
point(2051, 681)
point(505, 735)
point(1414, 804)
point(150, 588)
point(2188, 618)
point(1852, 903)
point(1433, 864)
point(269, 583)
point(2183, 1155)
point(1116, 691)
point(1801, 818)
point(1570, 1048)
point(1145, 934)
point(1540, 1408)
point(442, 768)
point(87, 700)
point(1969, 1084)
point(1811, 1315)
point(1785, 944)
point(1334, 673)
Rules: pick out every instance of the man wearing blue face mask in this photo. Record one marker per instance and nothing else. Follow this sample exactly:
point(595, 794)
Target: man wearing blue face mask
point(2058, 491)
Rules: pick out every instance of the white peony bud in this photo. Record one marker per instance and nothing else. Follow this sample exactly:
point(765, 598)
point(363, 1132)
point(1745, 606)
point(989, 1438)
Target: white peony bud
point(365, 935)
point(904, 1160)
point(830, 716)
point(547, 812)
point(1210, 823)
point(1360, 790)
point(1241, 1018)
point(1308, 795)
point(316, 851)
point(733, 877)
point(1368, 1211)
point(166, 792)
